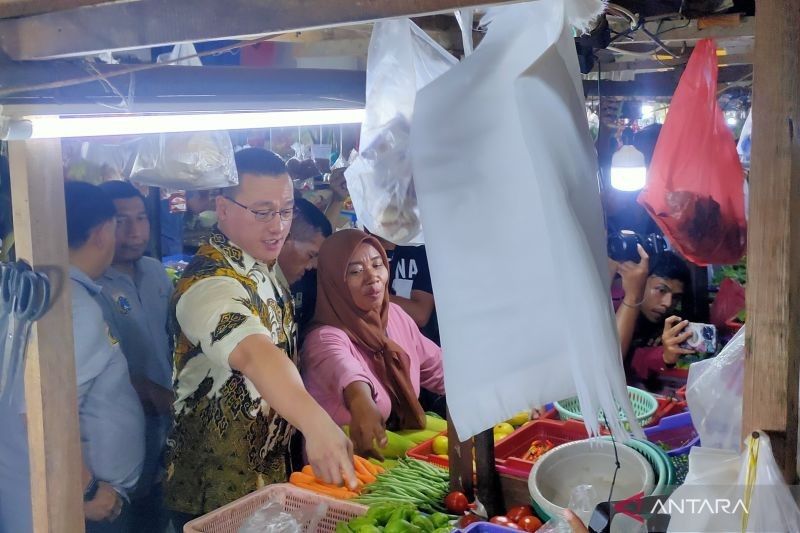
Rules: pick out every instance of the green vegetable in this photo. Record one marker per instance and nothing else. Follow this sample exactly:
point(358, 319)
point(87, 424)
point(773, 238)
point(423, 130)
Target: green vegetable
point(403, 512)
point(414, 482)
point(381, 513)
point(440, 520)
point(423, 522)
point(342, 527)
point(361, 521)
point(368, 529)
point(401, 526)
point(447, 529)
point(434, 423)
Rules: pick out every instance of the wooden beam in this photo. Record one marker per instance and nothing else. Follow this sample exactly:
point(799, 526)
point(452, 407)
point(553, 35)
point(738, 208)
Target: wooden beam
point(654, 65)
point(657, 83)
point(159, 22)
point(23, 8)
point(37, 189)
point(772, 363)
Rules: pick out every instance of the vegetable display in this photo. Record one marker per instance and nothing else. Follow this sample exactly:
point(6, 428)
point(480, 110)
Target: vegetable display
point(411, 481)
point(366, 472)
point(396, 518)
point(538, 448)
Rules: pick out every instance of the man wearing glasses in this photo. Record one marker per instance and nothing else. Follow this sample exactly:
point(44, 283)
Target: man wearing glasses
point(239, 395)
point(649, 329)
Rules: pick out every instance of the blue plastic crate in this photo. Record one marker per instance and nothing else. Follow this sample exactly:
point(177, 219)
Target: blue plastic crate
point(677, 432)
point(485, 527)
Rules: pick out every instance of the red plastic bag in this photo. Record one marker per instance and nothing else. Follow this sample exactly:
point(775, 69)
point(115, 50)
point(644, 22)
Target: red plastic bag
point(695, 190)
point(730, 301)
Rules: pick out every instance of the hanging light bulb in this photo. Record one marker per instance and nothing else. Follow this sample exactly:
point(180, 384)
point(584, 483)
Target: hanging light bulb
point(628, 168)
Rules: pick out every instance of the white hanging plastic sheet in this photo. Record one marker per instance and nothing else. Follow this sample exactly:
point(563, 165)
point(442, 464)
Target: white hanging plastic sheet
point(506, 177)
point(402, 58)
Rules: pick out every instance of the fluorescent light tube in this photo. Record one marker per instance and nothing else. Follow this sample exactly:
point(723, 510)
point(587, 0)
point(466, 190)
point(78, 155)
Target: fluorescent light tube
point(47, 126)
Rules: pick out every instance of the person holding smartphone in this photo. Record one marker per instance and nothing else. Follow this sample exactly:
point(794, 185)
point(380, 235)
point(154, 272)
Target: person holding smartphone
point(650, 329)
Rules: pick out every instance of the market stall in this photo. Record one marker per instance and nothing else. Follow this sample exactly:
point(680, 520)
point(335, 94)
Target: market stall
point(416, 488)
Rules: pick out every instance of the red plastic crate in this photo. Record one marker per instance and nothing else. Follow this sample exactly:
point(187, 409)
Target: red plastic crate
point(509, 451)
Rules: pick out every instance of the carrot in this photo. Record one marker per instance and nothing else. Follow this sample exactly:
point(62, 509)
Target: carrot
point(308, 470)
point(371, 468)
point(302, 480)
point(362, 472)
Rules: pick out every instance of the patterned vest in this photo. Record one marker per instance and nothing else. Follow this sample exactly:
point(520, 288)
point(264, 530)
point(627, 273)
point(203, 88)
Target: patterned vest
point(227, 442)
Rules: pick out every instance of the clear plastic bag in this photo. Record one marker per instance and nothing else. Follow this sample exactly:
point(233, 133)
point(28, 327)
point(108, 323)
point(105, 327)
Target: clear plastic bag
point(772, 505)
point(722, 484)
point(714, 396)
point(402, 59)
point(581, 503)
point(272, 518)
point(186, 161)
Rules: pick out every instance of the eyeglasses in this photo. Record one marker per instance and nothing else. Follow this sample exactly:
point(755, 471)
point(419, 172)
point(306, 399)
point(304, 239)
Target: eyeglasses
point(269, 215)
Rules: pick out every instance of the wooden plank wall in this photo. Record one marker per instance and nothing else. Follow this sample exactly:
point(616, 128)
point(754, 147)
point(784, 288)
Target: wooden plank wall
point(772, 363)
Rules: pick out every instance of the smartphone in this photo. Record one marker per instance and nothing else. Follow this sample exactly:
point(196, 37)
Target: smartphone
point(703, 338)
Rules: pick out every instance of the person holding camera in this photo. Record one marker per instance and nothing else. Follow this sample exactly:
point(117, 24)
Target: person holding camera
point(650, 331)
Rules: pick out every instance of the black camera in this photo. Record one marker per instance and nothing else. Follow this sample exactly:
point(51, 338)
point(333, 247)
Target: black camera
point(622, 246)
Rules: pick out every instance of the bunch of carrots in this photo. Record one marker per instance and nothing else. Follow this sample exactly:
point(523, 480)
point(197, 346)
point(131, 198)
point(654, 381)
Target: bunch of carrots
point(366, 473)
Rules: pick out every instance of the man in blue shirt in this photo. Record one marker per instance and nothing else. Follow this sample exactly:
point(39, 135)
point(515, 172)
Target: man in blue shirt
point(110, 416)
point(135, 301)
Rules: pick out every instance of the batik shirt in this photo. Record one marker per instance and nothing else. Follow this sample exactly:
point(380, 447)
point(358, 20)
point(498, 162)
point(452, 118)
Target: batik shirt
point(227, 441)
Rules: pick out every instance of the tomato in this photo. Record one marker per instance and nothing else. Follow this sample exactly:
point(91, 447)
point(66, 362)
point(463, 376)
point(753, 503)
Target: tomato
point(456, 502)
point(501, 520)
point(529, 523)
point(516, 513)
point(468, 519)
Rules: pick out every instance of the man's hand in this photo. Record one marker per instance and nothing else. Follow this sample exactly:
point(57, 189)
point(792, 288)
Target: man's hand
point(367, 427)
point(672, 338)
point(330, 453)
point(106, 505)
point(634, 278)
point(574, 522)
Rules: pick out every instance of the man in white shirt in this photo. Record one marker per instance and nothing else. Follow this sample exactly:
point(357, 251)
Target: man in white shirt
point(239, 393)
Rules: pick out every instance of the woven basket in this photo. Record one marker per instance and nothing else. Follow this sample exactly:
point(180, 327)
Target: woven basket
point(229, 519)
point(644, 407)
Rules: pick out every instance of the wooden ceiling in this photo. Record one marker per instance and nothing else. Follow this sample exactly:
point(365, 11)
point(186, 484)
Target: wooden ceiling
point(43, 30)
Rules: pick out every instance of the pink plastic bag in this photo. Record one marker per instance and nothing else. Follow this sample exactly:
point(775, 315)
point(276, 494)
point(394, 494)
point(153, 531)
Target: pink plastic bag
point(695, 189)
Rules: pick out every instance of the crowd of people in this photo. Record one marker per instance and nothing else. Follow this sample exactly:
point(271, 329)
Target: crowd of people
point(190, 395)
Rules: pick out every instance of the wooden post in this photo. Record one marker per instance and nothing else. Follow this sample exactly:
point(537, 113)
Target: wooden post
point(490, 492)
point(772, 362)
point(37, 187)
point(460, 460)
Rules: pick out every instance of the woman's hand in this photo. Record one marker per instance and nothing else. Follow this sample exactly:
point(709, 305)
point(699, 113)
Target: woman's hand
point(366, 422)
point(672, 338)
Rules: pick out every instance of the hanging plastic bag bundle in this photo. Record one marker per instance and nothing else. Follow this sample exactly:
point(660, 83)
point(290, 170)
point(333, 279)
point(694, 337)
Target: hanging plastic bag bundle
point(730, 491)
point(186, 161)
point(402, 59)
point(714, 396)
point(505, 171)
point(695, 189)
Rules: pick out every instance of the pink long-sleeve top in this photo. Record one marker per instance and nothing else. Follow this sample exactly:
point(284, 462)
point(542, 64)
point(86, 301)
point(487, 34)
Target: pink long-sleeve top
point(331, 362)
